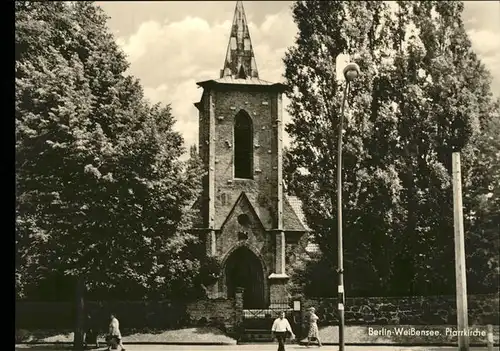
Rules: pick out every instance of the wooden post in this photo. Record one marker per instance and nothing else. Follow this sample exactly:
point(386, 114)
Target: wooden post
point(489, 336)
point(460, 271)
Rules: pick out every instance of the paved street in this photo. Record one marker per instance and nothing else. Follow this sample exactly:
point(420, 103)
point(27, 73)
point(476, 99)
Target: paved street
point(260, 347)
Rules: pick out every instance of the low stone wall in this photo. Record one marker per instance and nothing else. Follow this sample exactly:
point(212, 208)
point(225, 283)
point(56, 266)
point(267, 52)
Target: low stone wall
point(428, 310)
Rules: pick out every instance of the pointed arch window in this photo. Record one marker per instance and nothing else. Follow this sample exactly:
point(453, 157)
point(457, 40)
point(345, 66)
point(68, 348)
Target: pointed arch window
point(243, 142)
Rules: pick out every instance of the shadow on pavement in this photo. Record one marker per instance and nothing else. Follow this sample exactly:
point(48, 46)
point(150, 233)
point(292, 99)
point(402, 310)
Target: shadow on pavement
point(43, 347)
point(51, 347)
point(23, 335)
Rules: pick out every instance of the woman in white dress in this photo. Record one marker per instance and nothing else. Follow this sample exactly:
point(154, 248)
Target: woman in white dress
point(114, 333)
point(313, 327)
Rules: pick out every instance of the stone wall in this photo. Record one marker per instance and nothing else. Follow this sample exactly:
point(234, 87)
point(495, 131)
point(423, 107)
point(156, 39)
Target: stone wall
point(430, 310)
point(219, 313)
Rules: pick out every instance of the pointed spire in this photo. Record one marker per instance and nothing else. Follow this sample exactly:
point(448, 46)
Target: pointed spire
point(240, 59)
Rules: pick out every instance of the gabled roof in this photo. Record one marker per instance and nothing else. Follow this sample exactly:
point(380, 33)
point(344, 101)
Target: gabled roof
point(262, 213)
point(293, 216)
point(243, 198)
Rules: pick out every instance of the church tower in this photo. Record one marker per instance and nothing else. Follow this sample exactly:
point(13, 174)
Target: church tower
point(245, 219)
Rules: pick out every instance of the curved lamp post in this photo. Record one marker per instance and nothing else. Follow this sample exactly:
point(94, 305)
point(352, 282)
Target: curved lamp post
point(351, 72)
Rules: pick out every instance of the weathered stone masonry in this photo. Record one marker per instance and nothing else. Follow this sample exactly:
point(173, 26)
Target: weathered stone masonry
point(272, 223)
point(416, 310)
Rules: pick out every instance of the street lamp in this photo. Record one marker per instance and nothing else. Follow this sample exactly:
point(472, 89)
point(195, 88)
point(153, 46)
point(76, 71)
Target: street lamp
point(351, 72)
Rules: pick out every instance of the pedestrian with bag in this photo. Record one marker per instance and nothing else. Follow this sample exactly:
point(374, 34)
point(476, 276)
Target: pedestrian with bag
point(114, 338)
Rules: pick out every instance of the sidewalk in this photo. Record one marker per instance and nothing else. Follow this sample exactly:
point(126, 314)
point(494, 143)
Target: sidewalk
point(252, 347)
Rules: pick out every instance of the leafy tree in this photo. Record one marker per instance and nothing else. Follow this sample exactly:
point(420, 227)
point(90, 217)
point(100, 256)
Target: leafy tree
point(102, 196)
point(482, 206)
point(95, 162)
point(413, 105)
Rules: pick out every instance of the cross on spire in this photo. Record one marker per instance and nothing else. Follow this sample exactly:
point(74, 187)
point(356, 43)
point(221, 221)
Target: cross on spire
point(240, 59)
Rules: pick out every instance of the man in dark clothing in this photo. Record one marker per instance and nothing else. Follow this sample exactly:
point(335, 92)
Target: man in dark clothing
point(92, 331)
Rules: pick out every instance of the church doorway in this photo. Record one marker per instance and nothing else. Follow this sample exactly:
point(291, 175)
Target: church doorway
point(244, 269)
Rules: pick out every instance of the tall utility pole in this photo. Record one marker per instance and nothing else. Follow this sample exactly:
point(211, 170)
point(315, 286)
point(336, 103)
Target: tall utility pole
point(351, 72)
point(340, 248)
point(460, 271)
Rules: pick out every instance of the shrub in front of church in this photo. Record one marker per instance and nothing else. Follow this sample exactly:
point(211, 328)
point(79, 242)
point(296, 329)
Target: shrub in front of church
point(210, 271)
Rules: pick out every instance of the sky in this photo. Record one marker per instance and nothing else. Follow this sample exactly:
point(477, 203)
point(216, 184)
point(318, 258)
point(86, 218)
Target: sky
point(171, 45)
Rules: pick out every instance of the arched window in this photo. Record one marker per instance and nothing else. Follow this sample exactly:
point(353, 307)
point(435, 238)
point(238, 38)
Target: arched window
point(243, 146)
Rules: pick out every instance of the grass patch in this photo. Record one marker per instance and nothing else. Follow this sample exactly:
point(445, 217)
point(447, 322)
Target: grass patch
point(43, 335)
point(187, 335)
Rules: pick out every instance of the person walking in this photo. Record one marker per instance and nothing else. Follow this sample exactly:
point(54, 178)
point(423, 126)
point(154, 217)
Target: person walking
point(114, 333)
point(313, 327)
point(280, 328)
point(92, 331)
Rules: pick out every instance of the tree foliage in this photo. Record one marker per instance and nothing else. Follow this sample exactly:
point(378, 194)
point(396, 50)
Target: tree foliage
point(101, 192)
point(423, 94)
point(482, 204)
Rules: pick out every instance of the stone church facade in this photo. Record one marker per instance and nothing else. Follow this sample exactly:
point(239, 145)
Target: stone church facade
point(247, 220)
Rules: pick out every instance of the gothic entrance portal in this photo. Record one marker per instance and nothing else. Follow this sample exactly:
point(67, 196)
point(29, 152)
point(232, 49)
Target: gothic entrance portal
point(244, 269)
